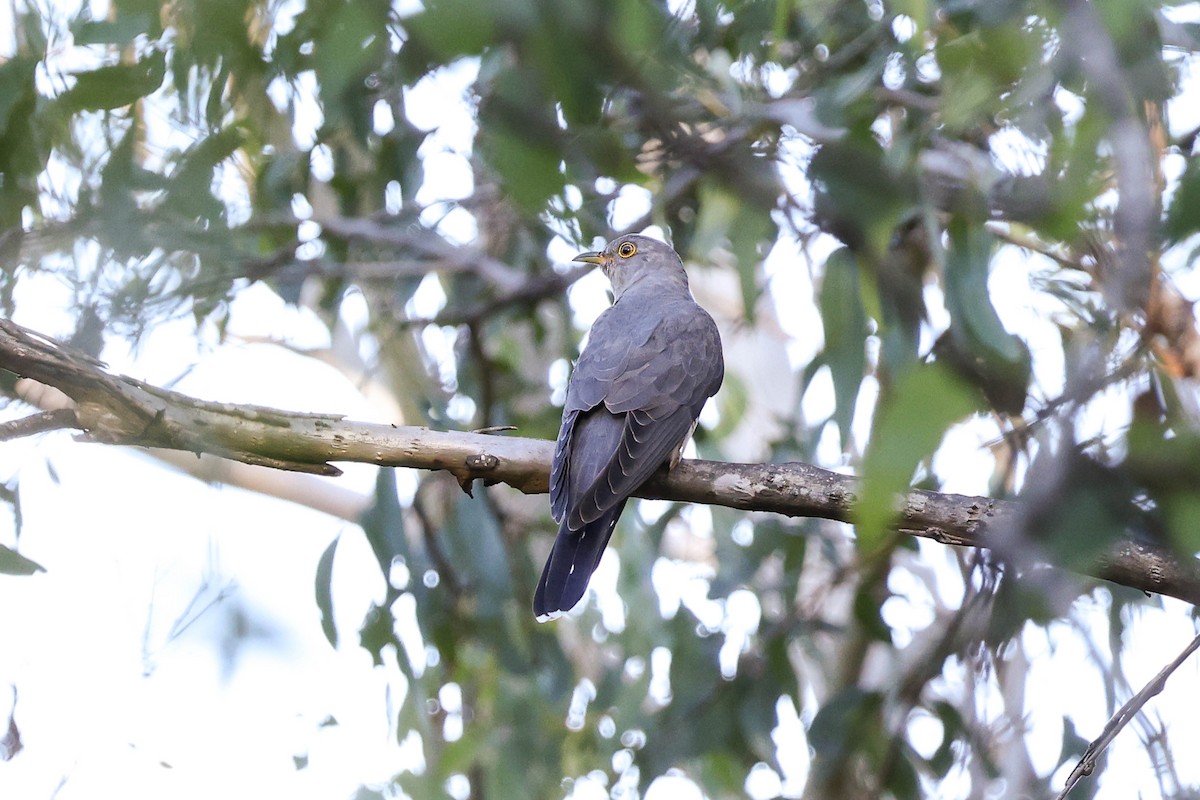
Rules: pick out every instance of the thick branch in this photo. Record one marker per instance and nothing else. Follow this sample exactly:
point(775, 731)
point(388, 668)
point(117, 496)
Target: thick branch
point(121, 410)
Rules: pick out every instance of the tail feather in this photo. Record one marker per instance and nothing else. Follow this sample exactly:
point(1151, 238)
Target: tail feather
point(574, 558)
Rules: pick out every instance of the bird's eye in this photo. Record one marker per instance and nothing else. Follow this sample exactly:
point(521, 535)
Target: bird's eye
point(626, 249)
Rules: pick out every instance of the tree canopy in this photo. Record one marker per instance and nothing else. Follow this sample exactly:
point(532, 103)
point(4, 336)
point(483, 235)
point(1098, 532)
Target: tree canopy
point(950, 246)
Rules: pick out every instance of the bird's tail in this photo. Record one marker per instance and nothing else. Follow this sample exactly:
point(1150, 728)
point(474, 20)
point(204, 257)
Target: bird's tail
point(574, 558)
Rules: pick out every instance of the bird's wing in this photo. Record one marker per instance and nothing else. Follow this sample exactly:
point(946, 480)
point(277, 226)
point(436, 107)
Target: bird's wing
point(654, 385)
point(615, 335)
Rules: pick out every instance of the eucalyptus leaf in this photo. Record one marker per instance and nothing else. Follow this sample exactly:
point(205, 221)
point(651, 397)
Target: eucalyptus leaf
point(13, 563)
point(923, 404)
point(115, 86)
point(845, 323)
point(324, 592)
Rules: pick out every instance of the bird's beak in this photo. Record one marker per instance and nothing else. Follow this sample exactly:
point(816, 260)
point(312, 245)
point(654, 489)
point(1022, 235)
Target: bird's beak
point(594, 257)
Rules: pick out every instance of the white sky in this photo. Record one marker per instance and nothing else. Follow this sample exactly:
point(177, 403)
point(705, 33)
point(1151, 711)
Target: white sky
point(113, 702)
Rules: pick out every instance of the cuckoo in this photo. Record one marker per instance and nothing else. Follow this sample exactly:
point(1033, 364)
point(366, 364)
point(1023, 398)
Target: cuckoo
point(651, 361)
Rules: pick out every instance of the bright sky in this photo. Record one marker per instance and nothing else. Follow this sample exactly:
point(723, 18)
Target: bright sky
point(173, 647)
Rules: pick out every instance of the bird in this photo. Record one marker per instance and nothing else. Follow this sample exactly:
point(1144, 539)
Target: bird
point(651, 361)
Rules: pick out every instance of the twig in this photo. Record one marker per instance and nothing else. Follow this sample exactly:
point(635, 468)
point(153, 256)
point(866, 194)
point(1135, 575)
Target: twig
point(190, 614)
point(530, 292)
point(40, 422)
point(430, 535)
point(909, 99)
point(1123, 717)
point(1077, 394)
point(428, 243)
point(486, 370)
point(1028, 241)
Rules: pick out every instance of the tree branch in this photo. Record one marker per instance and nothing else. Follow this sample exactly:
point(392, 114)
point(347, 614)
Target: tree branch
point(121, 410)
point(534, 290)
point(428, 244)
point(40, 422)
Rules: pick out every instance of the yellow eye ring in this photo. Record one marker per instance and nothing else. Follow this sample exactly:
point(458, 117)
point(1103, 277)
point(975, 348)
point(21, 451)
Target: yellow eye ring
point(626, 249)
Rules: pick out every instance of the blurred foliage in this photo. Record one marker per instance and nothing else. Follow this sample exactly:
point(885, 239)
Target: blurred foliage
point(159, 159)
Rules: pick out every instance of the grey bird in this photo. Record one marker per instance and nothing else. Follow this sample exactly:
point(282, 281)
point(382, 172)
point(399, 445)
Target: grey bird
point(650, 363)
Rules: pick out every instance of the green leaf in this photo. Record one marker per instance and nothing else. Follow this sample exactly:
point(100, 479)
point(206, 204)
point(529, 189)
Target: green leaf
point(718, 208)
point(841, 721)
point(845, 323)
point(902, 780)
point(189, 191)
point(1075, 156)
point(148, 10)
point(734, 400)
point(913, 419)
point(348, 45)
point(474, 545)
point(978, 346)
point(756, 714)
point(1182, 511)
point(377, 632)
point(752, 230)
point(979, 69)
point(115, 86)
point(383, 523)
point(846, 98)
point(122, 30)
point(868, 612)
point(968, 263)
point(952, 729)
point(1183, 217)
point(451, 28)
point(919, 11)
point(529, 169)
point(23, 151)
point(858, 196)
point(725, 217)
point(1073, 748)
point(398, 158)
point(324, 594)
point(722, 774)
point(16, 85)
point(13, 563)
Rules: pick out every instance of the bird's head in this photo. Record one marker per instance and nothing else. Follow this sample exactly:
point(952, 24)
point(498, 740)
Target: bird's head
point(632, 259)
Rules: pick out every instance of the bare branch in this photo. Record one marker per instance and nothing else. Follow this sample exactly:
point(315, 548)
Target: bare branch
point(1123, 717)
point(40, 422)
point(427, 243)
point(535, 289)
point(120, 410)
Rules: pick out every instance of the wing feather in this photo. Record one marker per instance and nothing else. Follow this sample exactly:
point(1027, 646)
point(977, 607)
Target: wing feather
point(660, 392)
point(642, 450)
